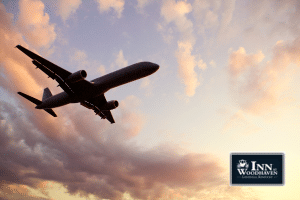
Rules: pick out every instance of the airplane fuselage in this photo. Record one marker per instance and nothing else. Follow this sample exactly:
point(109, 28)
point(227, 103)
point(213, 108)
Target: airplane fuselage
point(101, 85)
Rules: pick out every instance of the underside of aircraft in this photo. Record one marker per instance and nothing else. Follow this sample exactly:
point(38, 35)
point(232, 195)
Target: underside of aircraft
point(89, 94)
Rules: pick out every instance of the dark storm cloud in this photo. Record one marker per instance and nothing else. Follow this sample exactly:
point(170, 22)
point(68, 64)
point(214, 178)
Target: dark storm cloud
point(97, 161)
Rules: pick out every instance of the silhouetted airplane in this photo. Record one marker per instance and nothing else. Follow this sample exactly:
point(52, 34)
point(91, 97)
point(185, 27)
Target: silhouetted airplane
point(90, 94)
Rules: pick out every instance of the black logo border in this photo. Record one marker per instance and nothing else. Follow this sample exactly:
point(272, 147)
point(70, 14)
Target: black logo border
point(258, 153)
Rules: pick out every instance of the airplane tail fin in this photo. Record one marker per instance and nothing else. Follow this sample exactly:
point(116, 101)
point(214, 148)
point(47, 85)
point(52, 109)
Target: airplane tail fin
point(47, 94)
point(38, 102)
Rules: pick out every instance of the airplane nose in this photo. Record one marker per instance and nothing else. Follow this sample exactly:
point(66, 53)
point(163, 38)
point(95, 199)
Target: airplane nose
point(154, 67)
point(148, 67)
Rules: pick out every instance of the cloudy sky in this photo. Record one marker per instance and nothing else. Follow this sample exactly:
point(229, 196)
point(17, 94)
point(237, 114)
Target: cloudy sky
point(227, 83)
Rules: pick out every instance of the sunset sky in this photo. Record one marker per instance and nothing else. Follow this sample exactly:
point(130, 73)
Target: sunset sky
point(228, 82)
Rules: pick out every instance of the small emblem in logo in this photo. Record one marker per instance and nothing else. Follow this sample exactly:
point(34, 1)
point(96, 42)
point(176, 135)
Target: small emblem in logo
point(242, 164)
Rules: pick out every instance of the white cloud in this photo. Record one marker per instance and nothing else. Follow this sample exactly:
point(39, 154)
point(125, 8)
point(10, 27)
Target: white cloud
point(78, 55)
point(212, 63)
point(132, 121)
point(206, 14)
point(176, 12)
point(120, 60)
point(147, 86)
point(141, 5)
point(145, 82)
point(80, 59)
point(281, 16)
point(201, 64)
point(107, 5)
point(167, 33)
point(213, 19)
point(101, 69)
point(226, 17)
point(68, 7)
point(240, 124)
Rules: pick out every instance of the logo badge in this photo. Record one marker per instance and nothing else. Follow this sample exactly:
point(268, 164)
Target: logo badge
point(256, 169)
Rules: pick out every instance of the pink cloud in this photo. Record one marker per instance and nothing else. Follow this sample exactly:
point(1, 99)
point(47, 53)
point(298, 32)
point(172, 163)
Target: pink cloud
point(34, 23)
point(176, 12)
point(239, 61)
point(258, 86)
point(186, 67)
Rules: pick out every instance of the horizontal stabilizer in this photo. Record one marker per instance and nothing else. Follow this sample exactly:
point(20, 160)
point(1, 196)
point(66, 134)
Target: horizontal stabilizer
point(37, 102)
point(33, 100)
point(51, 112)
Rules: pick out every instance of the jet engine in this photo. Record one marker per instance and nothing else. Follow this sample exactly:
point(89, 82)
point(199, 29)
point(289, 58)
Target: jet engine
point(110, 105)
point(77, 76)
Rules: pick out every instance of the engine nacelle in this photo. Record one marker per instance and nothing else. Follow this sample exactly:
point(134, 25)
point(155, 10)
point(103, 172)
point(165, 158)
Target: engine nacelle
point(77, 76)
point(110, 105)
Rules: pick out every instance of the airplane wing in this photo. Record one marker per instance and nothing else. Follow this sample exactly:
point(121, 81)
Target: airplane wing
point(57, 73)
point(100, 101)
point(54, 68)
